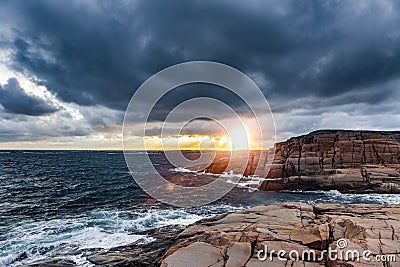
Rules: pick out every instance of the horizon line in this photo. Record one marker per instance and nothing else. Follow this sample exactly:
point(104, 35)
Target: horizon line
point(140, 150)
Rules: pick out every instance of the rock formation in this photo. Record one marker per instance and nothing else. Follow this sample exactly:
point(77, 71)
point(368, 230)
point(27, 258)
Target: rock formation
point(340, 160)
point(347, 161)
point(237, 239)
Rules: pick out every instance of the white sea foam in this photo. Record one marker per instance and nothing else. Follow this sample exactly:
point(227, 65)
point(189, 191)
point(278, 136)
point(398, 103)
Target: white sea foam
point(231, 174)
point(181, 169)
point(207, 173)
point(251, 183)
point(334, 196)
point(95, 237)
point(58, 237)
point(102, 229)
point(80, 260)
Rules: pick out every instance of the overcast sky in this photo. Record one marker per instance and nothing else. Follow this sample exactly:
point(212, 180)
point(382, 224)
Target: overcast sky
point(69, 68)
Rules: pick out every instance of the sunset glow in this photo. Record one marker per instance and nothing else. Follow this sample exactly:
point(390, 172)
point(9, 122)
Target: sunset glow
point(237, 141)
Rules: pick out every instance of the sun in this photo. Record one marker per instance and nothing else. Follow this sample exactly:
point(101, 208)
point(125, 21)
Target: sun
point(235, 137)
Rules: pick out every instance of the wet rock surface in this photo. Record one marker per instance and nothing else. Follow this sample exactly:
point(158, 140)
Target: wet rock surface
point(140, 253)
point(236, 239)
point(56, 262)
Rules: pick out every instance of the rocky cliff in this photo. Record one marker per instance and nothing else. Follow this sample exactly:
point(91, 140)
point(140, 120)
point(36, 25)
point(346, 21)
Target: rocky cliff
point(342, 160)
point(337, 159)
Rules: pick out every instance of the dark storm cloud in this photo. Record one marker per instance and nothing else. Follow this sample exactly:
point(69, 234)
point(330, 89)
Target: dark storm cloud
point(199, 126)
point(14, 100)
point(195, 90)
point(93, 52)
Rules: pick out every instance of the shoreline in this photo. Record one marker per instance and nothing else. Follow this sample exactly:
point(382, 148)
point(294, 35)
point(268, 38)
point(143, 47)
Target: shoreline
point(234, 239)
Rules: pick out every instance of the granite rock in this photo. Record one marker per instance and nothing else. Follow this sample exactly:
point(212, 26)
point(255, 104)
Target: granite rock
point(337, 160)
point(238, 239)
point(235, 239)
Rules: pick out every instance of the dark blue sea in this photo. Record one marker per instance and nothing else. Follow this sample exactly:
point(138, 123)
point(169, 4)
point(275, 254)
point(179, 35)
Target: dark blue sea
point(53, 203)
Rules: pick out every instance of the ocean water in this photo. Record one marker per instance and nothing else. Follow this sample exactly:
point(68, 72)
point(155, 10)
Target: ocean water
point(55, 203)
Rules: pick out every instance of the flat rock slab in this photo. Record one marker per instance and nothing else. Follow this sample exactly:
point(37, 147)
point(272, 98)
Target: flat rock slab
point(197, 254)
point(238, 254)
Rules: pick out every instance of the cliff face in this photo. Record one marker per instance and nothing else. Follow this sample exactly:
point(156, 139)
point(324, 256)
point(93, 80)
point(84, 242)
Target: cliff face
point(341, 160)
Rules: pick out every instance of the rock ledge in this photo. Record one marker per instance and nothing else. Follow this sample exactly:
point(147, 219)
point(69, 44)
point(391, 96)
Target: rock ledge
point(234, 239)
